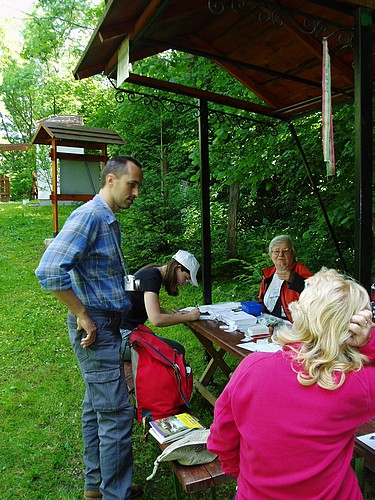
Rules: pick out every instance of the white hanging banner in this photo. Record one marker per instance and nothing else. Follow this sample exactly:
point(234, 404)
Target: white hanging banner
point(327, 122)
point(123, 62)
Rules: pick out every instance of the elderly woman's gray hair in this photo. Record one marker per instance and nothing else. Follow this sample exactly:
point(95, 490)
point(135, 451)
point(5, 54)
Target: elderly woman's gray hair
point(281, 238)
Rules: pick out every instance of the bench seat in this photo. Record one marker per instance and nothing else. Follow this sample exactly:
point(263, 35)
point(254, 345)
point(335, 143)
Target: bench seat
point(191, 478)
point(195, 478)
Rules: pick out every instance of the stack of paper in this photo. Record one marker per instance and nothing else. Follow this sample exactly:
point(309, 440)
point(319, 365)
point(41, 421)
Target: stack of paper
point(229, 313)
point(222, 307)
point(260, 346)
point(237, 320)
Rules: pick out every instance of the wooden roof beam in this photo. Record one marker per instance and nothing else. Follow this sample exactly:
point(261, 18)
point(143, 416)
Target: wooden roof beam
point(151, 13)
point(115, 31)
point(201, 94)
point(238, 74)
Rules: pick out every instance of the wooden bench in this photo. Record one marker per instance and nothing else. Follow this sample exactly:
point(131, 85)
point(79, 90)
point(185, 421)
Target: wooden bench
point(189, 478)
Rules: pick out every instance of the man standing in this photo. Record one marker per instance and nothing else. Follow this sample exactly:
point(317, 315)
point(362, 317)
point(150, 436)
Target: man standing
point(83, 267)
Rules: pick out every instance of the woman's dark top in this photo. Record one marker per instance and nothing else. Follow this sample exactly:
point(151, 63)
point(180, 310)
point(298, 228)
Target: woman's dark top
point(150, 281)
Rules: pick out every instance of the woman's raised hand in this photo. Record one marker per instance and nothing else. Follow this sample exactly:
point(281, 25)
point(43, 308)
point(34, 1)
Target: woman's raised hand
point(359, 327)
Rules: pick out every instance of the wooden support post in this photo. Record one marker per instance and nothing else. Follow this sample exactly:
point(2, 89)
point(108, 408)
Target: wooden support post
point(205, 204)
point(363, 146)
point(55, 211)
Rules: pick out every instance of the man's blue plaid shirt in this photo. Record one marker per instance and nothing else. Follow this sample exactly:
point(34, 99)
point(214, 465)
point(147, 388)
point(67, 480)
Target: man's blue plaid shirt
point(84, 257)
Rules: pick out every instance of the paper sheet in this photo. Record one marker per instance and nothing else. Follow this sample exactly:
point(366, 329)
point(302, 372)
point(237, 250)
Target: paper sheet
point(255, 347)
point(368, 439)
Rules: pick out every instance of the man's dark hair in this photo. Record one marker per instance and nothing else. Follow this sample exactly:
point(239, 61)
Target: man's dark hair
point(118, 166)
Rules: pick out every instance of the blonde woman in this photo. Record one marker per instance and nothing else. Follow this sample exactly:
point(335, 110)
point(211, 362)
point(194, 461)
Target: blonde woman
point(285, 423)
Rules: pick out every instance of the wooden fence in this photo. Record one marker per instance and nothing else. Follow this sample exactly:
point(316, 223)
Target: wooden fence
point(4, 188)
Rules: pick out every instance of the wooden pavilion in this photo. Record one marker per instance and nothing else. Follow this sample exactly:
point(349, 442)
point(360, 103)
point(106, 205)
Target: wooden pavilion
point(274, 48)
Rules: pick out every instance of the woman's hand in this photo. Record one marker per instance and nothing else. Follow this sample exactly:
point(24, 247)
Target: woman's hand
point(283, 272)
point(194, 314)
point(359, 327)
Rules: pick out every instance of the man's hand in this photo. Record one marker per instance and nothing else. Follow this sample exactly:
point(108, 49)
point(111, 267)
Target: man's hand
point(86, 323)
point(75, 306)
point(359, 328)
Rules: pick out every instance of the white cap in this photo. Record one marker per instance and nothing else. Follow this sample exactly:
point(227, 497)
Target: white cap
point(188, 260)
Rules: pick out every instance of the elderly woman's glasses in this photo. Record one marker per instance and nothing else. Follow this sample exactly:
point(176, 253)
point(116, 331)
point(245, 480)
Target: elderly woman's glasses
point(282, 251)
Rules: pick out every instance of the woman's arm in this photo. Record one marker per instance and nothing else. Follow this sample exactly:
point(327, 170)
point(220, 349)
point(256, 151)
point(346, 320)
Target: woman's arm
point(158, 317)
point(224, 438)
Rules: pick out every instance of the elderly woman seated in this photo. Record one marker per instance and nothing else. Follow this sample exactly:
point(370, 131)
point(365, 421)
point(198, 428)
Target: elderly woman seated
point(284, 281)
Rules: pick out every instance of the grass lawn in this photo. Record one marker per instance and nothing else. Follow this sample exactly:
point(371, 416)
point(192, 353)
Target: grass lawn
point(41, 387)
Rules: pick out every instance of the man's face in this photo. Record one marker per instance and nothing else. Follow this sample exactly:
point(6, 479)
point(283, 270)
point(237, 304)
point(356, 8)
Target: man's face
point(125, 189)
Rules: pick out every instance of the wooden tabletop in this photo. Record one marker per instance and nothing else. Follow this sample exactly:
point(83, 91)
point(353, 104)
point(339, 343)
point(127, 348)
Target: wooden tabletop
point(226, 340)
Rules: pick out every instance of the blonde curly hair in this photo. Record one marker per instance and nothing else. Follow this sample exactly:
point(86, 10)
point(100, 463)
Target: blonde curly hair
point(320, 328)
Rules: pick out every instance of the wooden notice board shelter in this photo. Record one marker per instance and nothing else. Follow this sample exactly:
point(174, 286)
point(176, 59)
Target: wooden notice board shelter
point(93, 141)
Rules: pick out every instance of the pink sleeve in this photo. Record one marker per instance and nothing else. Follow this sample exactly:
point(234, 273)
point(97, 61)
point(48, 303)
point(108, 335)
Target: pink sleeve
point(369, 349)
point(224, 438)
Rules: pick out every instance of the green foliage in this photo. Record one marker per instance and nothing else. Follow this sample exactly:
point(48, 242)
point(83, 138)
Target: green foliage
point(276, 196)
point(19, 167)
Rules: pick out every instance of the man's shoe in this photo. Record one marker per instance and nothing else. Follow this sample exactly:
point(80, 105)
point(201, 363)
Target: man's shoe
point(88, 495)
point(136, 491)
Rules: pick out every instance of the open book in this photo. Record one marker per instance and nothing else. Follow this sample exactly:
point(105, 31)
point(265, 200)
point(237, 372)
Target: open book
point(171, 428)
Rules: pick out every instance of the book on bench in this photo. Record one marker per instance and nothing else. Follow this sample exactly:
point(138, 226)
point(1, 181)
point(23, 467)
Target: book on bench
point(175, 427)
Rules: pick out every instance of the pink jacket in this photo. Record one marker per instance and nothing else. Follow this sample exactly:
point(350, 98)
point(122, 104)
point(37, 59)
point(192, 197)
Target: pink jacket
point(285, 441)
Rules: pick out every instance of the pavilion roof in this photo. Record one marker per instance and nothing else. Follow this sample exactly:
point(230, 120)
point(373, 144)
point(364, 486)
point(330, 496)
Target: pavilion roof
point(273, 48)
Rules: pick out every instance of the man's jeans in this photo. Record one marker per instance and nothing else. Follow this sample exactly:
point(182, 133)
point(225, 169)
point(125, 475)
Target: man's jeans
point(107, 417)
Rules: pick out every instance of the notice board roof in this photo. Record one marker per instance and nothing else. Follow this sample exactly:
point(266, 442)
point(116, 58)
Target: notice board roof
point(75, 136)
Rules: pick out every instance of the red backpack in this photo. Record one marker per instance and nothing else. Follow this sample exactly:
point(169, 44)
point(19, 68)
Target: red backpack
point(163, 381)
